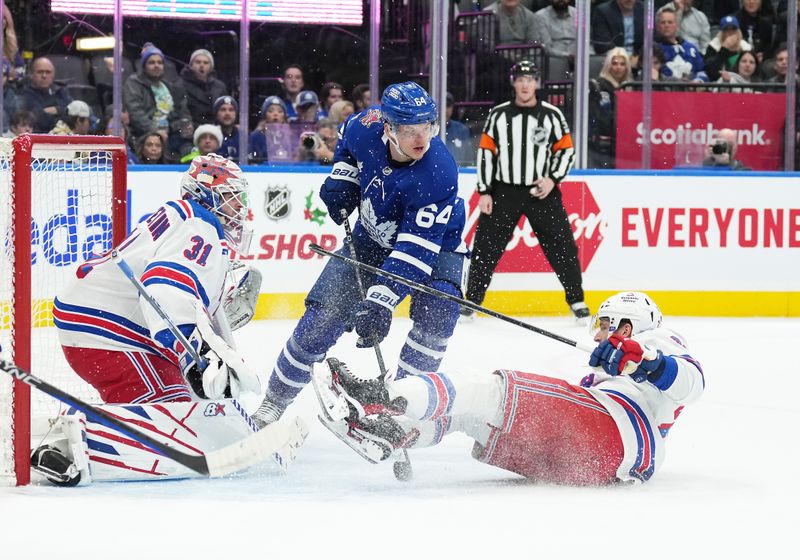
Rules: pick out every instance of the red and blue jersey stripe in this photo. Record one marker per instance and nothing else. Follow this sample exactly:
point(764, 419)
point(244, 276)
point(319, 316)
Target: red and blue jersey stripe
point(441, 394)
point(107, 325)
point(645, 463)
point(176, 275)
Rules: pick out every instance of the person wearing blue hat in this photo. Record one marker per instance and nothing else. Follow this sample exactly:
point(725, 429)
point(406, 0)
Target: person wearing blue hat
point(307, 107)
point(226, 113)
point(155, 105)
point(273, 112)
point(724, 50)
point(202, 86)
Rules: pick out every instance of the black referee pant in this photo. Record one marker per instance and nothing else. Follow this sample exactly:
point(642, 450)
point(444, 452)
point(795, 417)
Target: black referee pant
point(549, 221)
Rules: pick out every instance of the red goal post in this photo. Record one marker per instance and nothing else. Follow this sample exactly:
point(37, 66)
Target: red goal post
point(62, 199)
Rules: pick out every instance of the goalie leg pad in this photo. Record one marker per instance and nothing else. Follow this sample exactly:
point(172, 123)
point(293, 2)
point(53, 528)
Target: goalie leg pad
point(128, 377)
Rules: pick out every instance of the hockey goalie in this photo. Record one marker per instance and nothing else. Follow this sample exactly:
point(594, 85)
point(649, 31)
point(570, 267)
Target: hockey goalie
point(129, 349)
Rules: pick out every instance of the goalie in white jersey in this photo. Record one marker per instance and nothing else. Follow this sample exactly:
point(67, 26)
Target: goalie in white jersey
point(117, 342)
point(609, 428)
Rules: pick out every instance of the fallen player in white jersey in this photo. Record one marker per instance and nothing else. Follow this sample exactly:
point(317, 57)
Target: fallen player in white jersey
point(608, 429)
point(174, 349)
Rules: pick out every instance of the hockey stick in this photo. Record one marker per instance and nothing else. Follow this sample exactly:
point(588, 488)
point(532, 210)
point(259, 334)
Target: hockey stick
point(402, 467)
point(462, 302)
point(176, 332)
point(244, 453)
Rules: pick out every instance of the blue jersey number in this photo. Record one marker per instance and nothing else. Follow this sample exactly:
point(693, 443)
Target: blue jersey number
point(199, 250)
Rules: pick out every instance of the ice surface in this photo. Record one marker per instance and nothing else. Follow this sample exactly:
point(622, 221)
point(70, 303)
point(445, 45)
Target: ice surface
point(729, 487)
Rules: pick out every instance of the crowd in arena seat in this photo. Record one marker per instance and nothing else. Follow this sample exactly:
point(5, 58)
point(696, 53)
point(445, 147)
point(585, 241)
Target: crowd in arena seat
point(192, 110)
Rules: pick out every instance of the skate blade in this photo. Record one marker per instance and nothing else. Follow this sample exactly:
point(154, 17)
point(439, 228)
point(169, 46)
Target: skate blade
point(333, 404)
point(340, 429)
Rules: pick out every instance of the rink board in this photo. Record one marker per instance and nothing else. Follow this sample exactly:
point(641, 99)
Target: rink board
point(719, 244)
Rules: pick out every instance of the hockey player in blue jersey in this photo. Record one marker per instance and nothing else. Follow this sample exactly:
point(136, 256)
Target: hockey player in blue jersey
point(390, 164)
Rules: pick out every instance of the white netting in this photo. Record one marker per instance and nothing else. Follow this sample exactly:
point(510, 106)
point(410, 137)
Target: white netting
point(71, 220)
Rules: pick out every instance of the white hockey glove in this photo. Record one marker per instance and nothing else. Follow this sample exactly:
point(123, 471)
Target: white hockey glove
point(226, 373)
point(240, 302)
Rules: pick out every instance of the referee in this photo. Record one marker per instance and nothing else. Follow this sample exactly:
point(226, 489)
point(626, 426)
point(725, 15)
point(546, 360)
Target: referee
point(525, 152)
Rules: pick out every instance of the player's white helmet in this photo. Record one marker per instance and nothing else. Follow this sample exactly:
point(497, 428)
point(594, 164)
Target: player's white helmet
point(218, 184)
point(636, 307)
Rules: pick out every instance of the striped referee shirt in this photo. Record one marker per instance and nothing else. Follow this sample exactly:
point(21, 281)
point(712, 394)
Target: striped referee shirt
point(522, 144)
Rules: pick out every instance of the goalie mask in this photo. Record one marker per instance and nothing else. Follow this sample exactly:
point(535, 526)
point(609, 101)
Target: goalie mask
point(218, 184)
point(636, 307)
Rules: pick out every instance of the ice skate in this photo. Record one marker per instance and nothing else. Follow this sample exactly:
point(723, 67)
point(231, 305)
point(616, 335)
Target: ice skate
point(268, 412)
point(376, 438)
point(56, 467)
point(342, 395)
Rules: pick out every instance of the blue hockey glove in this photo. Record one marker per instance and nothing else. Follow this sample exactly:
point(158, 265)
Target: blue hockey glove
point(339, 195)
point(373, 316)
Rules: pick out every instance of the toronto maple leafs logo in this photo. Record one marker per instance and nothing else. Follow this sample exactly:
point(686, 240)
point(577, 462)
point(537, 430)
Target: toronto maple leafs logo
point(382, 233)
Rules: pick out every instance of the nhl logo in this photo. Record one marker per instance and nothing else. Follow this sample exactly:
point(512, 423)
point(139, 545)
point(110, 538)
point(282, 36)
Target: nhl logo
point(539, 136)
point(277, 202)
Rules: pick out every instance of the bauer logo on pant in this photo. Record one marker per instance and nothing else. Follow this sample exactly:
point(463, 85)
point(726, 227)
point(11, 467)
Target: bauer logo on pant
point(277, 202)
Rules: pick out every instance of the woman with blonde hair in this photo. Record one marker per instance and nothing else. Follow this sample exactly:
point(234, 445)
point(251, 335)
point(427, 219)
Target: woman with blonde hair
point(13, 65)
point(602, 106)
point(723, 51)
point(340, 110)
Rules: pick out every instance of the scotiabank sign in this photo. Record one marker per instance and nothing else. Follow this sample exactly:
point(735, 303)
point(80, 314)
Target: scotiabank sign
point(523, 252)
point(683, 123)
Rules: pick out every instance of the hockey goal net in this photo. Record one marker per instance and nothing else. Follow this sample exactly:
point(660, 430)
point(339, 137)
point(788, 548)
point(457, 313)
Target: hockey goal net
point(62, 200)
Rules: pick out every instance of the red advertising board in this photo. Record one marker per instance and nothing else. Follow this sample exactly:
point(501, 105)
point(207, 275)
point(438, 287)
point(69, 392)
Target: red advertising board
point(684, 122)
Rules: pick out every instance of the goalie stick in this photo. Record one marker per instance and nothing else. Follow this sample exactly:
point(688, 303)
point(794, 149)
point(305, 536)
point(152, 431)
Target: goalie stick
point(402, 467)
point(176, 332)
point(266, 443)
point(462, 302)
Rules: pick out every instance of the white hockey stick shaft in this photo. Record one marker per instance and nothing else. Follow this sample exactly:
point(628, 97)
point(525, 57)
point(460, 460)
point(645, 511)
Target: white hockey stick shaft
point(176, 332)
point(243, 454)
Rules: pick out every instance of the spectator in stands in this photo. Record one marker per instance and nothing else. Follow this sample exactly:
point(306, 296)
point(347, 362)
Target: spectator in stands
point(42, 97)
point(781, 67)
point(78, 119)
point(319, 145)
point(293, 84)
point(723, 51)
point(362, 97)
point(226, 112)
point(273, 111)
point(13, 64)
point(340, 111)
point(692, 23)
point(202, 87)
point(618, 23)
point(151, 149)
point(207, 140)
point(155, 105)
point(602, 107)
point(106, 128)
point(682, 59)
point(516, 22)
point(330, 93)
point(745, 71)
point(721, 152)
point(457, 136)
point(21, 122)
point(756, 20)
point(306, 107)
point(556, 28)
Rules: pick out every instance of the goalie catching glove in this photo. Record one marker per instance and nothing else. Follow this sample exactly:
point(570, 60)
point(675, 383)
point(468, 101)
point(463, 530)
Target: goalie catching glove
point(222, 372)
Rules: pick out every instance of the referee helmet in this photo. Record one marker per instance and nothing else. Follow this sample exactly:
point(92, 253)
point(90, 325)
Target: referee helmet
point(524, 68)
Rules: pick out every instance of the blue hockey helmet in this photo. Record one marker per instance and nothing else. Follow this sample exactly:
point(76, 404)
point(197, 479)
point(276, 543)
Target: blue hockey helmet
point(408, 103)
